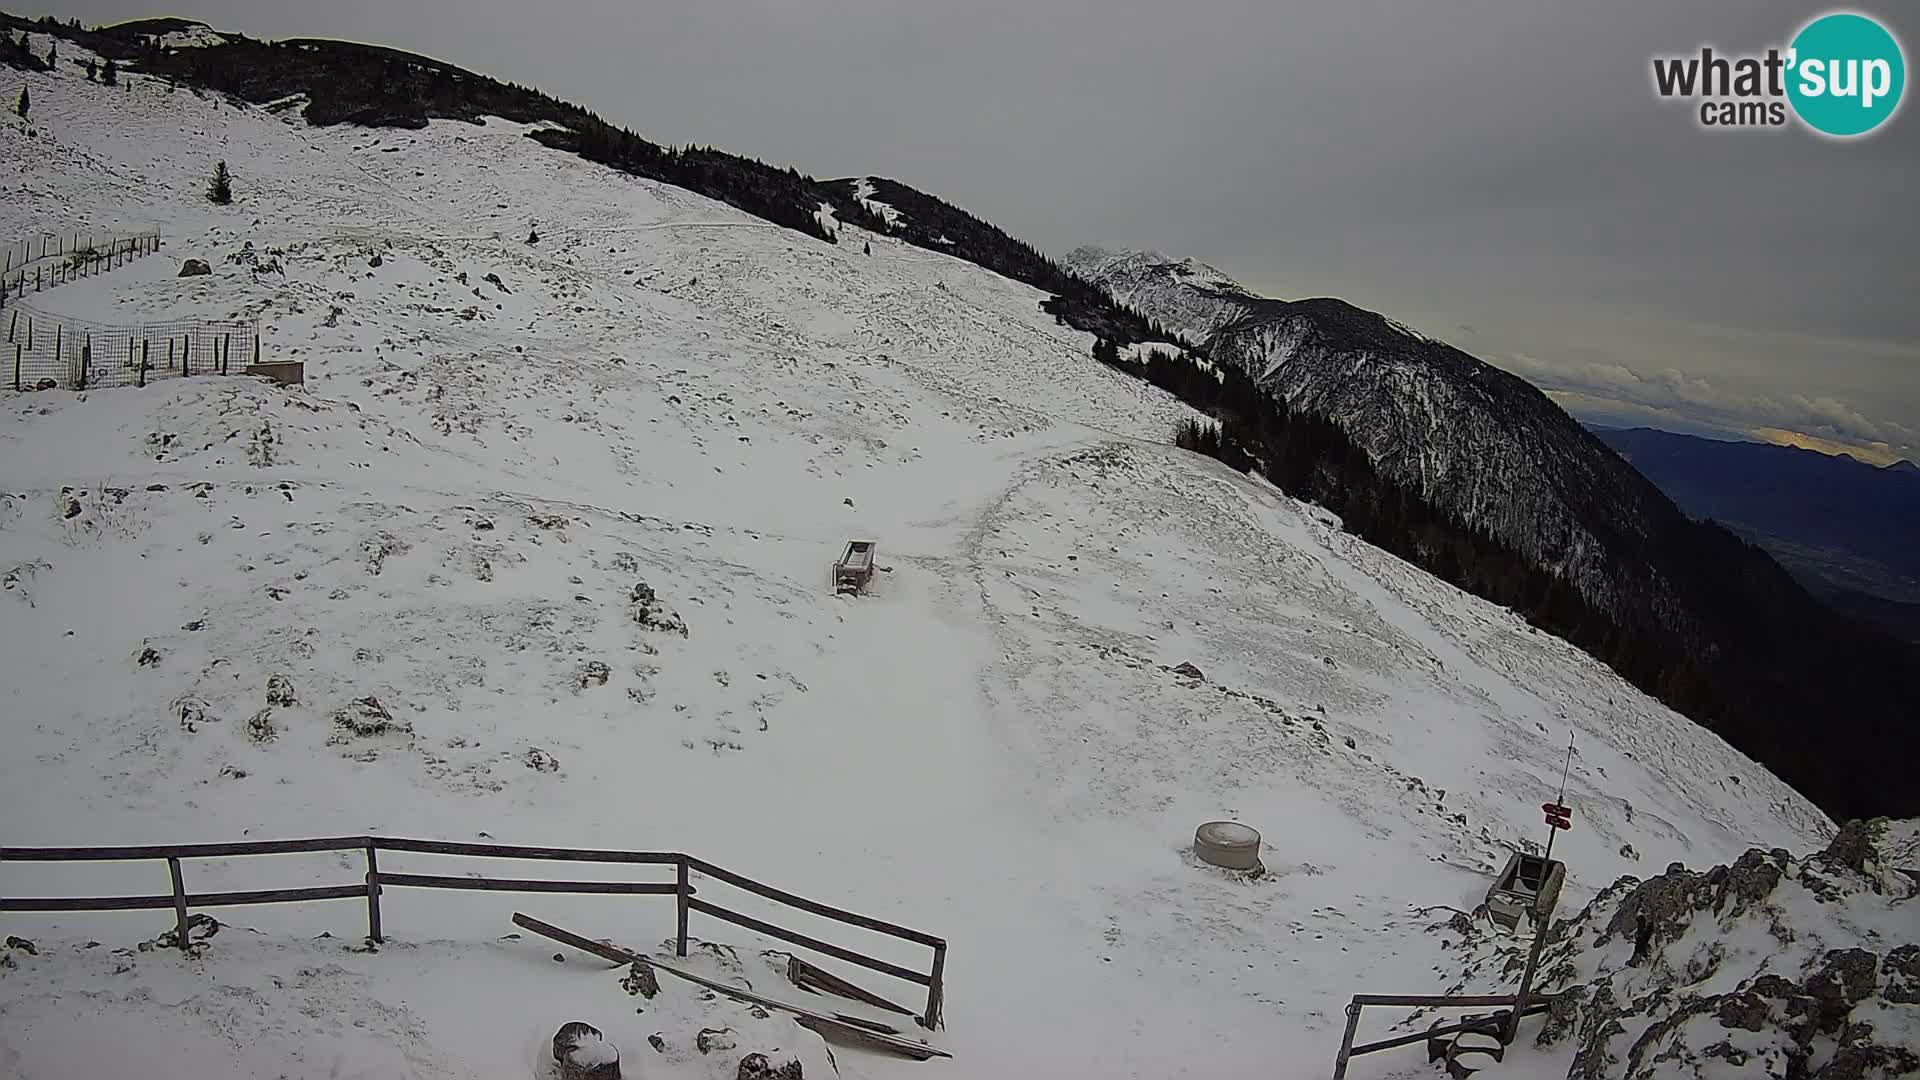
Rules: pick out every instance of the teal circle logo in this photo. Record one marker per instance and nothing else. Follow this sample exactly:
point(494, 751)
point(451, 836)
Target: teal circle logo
point(1846, 74)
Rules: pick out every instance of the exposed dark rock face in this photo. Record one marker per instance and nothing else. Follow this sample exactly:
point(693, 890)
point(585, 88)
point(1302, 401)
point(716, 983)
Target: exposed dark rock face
point(1633, 970)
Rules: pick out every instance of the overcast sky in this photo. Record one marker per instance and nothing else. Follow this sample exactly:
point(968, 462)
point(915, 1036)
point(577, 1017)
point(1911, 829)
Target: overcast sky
point(1496, 173)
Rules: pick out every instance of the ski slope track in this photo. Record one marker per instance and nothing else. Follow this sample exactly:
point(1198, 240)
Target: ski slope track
point(452, 516)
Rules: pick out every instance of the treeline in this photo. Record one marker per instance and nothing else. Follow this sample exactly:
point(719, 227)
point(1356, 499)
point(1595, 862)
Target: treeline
point(1723, 635)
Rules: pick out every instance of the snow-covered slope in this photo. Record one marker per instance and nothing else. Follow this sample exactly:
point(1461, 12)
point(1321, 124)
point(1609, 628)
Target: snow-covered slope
point(455, 513)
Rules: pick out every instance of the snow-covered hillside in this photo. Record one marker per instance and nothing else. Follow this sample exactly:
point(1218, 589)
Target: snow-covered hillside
point(499, 442)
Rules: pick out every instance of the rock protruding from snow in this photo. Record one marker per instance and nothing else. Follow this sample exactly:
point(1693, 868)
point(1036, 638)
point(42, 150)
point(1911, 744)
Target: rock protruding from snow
point(195, 268)
point(366, 717)
point(757, 1067)
point(645, 608)
point(584, 1054)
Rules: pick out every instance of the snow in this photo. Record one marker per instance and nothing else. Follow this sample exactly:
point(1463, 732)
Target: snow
point(593, 1053)
point(863, 191)
point(197, 36)
point(451, 516)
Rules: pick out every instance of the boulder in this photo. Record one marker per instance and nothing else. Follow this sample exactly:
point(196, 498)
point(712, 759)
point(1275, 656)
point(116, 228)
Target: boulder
point(195, 268)
point(584, 1054)
point(757, 1067)
point(710, 1040)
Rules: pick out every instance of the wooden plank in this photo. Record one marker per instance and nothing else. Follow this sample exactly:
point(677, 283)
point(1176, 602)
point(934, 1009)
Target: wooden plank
point(813, 943)
point(810, 977)
point(178, 851)
point(482, 884)
point(512, 851)
point(278, 896)
point(818, 1022)
point(813, 906)
point(85, 903)
point(833, 1029)
point(1462, 1000)
point(179, 902)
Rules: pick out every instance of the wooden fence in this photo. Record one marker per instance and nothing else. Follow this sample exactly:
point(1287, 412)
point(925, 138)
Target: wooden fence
point(681, 888)
point(50, 260)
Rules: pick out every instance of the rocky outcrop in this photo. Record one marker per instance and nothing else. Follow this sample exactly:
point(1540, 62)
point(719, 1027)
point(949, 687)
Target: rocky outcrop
point(1772, 966)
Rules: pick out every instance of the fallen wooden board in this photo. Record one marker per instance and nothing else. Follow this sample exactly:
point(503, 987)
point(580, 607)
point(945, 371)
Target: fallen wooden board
point(810, 977)
point(850, 1029)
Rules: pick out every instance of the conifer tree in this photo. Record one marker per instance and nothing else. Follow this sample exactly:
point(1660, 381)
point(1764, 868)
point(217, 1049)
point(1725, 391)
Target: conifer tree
point(110, 74)
point(23, 104)
point(221, 189)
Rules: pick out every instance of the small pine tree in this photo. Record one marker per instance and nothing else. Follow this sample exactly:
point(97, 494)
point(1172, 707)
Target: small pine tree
point(221, 189)
point(25, 103)
point(110, 74)
point(91, 70)
point(53, 54)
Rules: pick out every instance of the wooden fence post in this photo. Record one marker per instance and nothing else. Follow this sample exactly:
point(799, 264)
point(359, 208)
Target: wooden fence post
point(143, 358)
point(12, 325)
point(936, 990)
point(1346, 1043)
point(373, 896)
point(86, 360)
point(226, 350)
point(16, 367)
point(179, 901)
point(169, 352)
point(58, 334)
point(256, 343)
point(680, 942)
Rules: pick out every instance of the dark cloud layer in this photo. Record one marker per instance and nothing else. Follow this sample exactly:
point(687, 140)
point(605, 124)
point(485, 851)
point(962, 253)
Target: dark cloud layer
point(1501, 164)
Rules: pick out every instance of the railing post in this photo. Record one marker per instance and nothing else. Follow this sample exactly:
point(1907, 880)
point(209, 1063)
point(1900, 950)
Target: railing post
point(936, 990)
point(1346, 1041)
point(179, 901)
point(373, 895)
point(680, 941)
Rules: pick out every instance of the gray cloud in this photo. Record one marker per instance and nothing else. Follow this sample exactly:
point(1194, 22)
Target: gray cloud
point(1615, 393)
point(1498, 163)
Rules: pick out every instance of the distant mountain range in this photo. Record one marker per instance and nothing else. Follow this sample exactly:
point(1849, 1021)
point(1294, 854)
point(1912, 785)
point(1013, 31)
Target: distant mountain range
point(1848, 530)
point(1494, 487)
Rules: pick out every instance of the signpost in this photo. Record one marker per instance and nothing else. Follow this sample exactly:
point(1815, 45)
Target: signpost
point(1559, 816)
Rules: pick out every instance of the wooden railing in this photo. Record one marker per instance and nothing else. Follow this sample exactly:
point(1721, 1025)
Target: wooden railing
point(376, 880)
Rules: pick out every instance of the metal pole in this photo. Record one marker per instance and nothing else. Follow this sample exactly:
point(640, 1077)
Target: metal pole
point(179, 902)
point(1346, 1041)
